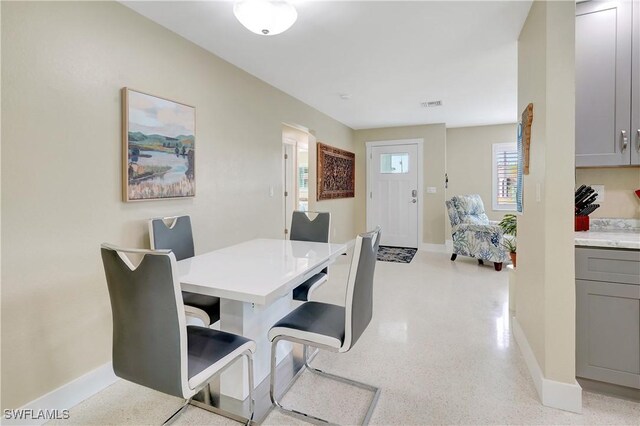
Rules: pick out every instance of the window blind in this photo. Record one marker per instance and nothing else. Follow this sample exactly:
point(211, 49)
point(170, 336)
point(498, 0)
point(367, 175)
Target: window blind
point(505, 181)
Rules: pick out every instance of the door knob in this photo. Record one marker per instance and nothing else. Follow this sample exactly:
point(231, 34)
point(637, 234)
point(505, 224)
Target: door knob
point(414, 201)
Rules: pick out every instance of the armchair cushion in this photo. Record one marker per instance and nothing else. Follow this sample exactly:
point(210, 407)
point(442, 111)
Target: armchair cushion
point(472, 227)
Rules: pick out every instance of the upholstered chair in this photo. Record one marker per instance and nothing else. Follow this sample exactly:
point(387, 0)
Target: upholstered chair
point(473, 233)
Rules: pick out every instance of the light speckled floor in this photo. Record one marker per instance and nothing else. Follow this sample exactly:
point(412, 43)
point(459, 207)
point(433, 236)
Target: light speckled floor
point(439, 346)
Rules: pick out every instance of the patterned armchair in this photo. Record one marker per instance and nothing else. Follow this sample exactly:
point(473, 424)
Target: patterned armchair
point(473, 233)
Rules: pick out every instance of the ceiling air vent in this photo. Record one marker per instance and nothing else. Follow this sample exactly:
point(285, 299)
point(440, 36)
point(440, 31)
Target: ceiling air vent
point(431, 104)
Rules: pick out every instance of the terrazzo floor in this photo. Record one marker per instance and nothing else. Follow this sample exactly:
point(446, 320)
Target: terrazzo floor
point(439, 345)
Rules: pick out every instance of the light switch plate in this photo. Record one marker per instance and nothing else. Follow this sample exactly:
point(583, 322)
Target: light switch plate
point(600, 190)
point(431, 189)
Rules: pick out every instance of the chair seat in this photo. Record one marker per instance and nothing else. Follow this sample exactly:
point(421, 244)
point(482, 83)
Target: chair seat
point(316, 322)
point(208, 350)
point(301, 292)
point(209, 304)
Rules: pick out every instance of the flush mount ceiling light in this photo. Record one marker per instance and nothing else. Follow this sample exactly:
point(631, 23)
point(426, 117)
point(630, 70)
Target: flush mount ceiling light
point(431, 104)
point(265, 17)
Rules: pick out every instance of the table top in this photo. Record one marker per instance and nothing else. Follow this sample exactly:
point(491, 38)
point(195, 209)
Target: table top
point(257, 271)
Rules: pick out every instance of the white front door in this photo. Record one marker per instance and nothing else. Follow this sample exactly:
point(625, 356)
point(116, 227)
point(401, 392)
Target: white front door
point(393, 196)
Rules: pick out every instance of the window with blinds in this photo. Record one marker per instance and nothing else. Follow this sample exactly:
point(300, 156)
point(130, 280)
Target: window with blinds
point(505, 176)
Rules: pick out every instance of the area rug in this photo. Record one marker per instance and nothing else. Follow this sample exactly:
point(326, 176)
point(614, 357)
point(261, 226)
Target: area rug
point(396, 254)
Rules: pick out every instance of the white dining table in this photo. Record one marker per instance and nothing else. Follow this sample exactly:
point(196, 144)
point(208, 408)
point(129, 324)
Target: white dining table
point(254, 281)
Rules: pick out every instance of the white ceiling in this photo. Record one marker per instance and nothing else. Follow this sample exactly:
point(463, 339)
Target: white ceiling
point(388, 55)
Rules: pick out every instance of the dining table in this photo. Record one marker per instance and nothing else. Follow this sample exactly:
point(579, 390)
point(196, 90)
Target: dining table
point(254, 281)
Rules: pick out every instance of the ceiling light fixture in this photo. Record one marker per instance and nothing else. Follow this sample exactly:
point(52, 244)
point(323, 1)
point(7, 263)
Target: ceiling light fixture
point(265, 17)
point(430, 104)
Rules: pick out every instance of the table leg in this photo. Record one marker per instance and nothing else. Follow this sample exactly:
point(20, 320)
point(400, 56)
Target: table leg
point(251, 321)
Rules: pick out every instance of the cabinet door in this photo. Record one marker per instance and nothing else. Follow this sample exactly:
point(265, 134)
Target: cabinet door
point(603, 83)
point(608, 332)
point(635, 83)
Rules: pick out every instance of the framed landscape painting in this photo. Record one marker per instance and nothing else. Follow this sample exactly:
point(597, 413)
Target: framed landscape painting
point(336, 173)
point(159, 142)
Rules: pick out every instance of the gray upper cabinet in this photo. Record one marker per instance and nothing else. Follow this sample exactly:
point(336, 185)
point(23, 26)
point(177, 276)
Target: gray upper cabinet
point(635, 85)
point(603, 83)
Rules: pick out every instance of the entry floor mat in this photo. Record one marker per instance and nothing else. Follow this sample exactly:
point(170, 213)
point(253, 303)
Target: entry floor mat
point(396, 254)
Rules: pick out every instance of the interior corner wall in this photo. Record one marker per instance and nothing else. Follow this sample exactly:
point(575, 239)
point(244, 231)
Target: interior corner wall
point(470, 163)
point(560, 295)
point(434, 154)
point(63, 65)
point(545, 305)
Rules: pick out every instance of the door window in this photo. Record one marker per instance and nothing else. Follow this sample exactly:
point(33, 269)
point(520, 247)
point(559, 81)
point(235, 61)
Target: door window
point(394, 163)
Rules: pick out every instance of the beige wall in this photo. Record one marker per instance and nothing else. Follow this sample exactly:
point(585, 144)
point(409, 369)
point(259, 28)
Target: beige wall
point(545, 305)
point(63, 65)
point(469, 162)
point(620, 183)
point(434, 137)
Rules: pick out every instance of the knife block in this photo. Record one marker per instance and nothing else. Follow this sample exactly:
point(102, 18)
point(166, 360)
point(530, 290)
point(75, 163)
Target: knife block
point(582, 223)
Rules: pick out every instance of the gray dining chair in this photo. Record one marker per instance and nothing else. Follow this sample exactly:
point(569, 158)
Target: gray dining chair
point(332, 327)
point(303, 228)
point(174, 233)
point(152, 345)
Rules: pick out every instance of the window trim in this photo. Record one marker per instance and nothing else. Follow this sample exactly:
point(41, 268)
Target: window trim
point(496, 147)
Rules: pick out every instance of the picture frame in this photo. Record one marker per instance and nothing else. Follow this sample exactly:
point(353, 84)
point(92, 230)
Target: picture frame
point(527, 121)
point(158, 147)
point(335, 173)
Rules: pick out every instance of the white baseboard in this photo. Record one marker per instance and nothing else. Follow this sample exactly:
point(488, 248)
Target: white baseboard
point(440, 248)
point(68, 395)
point(565, 396)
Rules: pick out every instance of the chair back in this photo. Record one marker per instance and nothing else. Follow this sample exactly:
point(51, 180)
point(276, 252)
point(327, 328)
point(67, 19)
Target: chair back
point(177, 236)
point(305, 229)
point(470, 209)
point(359, 300)
point(149, 326)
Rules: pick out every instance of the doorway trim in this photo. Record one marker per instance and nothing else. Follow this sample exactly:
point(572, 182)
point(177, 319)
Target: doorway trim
point(294, 136)
point(420, 145)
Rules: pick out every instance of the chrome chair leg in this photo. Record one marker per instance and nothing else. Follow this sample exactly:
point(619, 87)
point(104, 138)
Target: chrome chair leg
point(175, 415)
point(252, 400)
point(375, 390)
point(272, 390)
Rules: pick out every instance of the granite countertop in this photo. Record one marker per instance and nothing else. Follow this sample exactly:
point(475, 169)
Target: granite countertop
point(611, 233)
